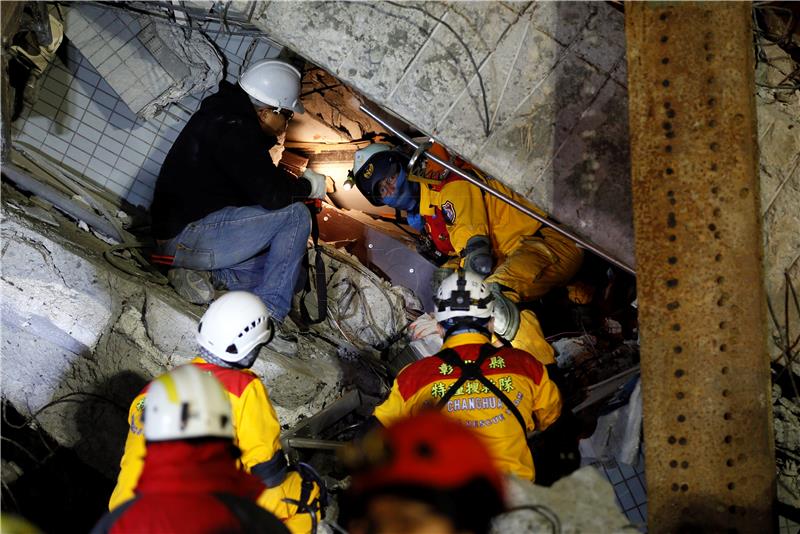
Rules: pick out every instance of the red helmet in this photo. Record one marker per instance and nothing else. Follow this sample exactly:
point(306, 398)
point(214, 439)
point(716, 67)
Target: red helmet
point(426, 457)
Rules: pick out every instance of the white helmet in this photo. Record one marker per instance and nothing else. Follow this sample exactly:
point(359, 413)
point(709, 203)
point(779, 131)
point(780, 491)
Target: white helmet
point(233, 325)
point(186, 403)
point(274, 83)
point(463, 294)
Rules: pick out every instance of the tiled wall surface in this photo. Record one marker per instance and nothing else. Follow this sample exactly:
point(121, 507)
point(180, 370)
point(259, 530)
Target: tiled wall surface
point(80, 121)
point(629, 484)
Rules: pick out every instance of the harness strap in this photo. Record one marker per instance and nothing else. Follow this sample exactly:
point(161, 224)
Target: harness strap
point(303, 504)
point(472, 371)
point(320, 278)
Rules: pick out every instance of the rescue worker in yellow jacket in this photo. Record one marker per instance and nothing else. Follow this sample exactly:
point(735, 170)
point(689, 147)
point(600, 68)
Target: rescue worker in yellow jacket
point(230, 335)
point(503, 394)
point(522, 258)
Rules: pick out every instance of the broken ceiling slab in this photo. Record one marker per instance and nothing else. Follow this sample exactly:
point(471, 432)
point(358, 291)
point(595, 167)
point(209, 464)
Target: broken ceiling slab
point(504, 85)
point(148, 63)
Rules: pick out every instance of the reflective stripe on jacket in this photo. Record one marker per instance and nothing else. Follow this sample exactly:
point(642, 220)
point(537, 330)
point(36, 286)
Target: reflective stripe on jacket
point(520, 376)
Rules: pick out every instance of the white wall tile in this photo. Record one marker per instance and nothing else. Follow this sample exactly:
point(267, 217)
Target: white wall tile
point(105, 155)
point(78, 155)
point(82, 120)
point(88, 131)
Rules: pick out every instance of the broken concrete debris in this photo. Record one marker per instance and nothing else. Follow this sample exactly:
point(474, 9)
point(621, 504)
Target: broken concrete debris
point(137, 330)
point(148, 63)
point(581, 502)
point(364, 310)
point(787, 444)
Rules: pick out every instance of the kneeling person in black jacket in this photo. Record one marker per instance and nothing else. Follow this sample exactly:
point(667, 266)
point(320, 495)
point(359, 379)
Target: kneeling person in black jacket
point(223, 214)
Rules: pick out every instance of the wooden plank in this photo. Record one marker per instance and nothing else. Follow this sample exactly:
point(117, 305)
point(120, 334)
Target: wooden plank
point(705, 370)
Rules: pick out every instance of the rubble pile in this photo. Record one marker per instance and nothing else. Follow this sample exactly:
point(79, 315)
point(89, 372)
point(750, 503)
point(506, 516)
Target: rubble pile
point(787, 446)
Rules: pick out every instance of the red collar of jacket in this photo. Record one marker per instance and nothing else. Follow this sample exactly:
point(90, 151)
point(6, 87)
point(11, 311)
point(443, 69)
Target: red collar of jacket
point(195, 467)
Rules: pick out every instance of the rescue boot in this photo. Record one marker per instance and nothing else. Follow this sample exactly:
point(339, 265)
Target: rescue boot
point(192, 286)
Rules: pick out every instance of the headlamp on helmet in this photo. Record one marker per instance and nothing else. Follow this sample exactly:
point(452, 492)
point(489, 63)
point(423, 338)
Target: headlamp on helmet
point(463, 294)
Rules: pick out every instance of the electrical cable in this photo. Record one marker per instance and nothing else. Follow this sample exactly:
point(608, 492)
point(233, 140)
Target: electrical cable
point(61, 400)
point(358, 267)
point(22, 449)
point(11, 494)
point(335, 526)
point(485, 119)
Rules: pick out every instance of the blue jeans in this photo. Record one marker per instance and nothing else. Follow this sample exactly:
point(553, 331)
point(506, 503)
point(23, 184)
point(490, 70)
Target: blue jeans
point(249, 248)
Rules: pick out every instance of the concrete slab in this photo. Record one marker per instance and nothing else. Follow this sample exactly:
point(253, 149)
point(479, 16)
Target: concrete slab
point(542, 65)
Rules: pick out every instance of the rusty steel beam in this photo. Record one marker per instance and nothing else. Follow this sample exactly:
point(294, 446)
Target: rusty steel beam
point(705, 370)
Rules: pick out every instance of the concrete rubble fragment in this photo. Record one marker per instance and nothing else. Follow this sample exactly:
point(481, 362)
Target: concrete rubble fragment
point(618, 434)
point(583, 502)
point(779, 162)
point(148, 63)
point(364, 310)
point(76, 327)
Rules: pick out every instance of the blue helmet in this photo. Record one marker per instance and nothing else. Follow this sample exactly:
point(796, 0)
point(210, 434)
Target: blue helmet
point(371, 165)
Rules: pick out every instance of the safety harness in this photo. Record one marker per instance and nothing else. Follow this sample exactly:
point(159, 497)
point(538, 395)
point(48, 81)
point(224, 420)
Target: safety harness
point(304, 504)
point(472, 371)
point(320, 279)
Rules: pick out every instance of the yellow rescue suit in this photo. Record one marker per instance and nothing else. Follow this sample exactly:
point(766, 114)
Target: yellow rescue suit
point(523, 379)
point(531, 259)
point(257, 436)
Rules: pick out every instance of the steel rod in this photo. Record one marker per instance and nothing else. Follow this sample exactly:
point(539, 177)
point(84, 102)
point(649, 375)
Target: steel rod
point(521, 207)
point(319, 444)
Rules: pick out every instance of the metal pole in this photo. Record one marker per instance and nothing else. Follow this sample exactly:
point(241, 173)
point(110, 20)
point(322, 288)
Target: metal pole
point(319, 444)
point(521, 207)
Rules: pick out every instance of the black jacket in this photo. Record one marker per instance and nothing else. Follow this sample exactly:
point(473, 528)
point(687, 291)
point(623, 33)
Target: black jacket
point(220, 159)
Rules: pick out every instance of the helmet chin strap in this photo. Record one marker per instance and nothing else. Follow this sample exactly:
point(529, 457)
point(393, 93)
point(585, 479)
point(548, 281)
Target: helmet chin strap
point(460, 325)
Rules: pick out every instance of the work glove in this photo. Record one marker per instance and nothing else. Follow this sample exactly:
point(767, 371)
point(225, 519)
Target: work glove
point(478, 255)
point(318, 183)
point(426, 338)
point(506, 314)
point(425, 325)
point(438, 277)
